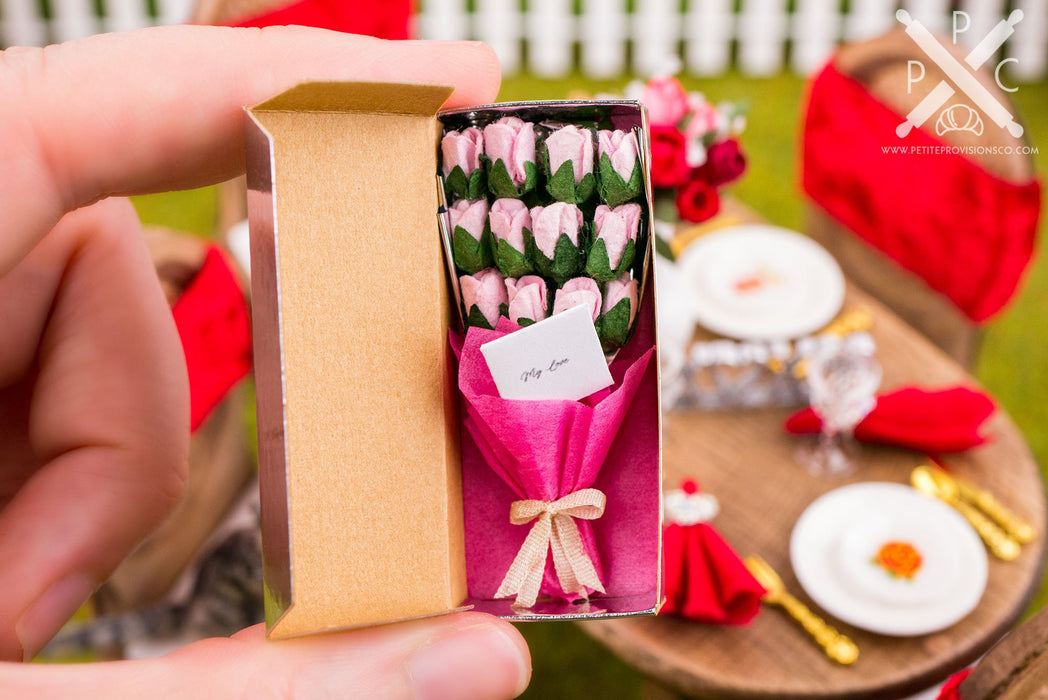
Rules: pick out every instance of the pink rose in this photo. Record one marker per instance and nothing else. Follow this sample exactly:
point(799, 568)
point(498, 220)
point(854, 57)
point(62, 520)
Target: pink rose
point(617, 290)
point(527, 298)
point(579, 291)
point(666, 101)
point(570, 143)
point(616, 227)
point(509, 218)
point(621, 148)
point(548, 223)
point(462, 148)
point(471, 216)
point(486, 291)
point(513, 142)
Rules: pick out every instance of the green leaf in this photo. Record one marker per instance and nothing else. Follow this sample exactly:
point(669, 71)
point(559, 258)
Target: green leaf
point(476, 318)
point(510, 261)
point(663, 248)
point(613, 189)
point(561, 185)
point(471, 255)
point(456, 184)
point(597, 265)
point(478, 185)
point(613, 328)
point(525, 322)
point(501, 184)
point(567, 260)
point(628, 253)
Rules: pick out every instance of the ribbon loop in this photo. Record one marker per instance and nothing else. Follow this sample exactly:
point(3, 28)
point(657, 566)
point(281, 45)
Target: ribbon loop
point(554, 530)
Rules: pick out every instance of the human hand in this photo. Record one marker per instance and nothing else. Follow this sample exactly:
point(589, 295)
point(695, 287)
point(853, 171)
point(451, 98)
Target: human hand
point(93, 394)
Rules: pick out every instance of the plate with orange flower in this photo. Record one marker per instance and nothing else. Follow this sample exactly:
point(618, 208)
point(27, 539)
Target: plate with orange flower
point(760, 282)
point(885, 558)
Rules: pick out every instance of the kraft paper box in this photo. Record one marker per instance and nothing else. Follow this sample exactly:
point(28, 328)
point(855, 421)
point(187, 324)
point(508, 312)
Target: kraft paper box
point(377, 505)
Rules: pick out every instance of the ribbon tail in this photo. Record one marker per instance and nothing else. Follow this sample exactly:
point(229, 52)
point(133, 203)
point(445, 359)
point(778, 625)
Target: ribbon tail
point(524, 576)
point(574, 568)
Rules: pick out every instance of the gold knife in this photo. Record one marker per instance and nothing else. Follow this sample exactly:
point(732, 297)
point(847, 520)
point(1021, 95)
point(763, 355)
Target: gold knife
point(999, 542)
point(1020, 530)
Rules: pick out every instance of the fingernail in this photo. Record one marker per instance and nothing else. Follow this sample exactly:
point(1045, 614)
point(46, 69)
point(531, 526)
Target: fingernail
point(50, 611)
point(482, 661)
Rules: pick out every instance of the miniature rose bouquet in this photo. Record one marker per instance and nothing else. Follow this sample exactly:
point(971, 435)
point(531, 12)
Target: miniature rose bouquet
point(559, 219)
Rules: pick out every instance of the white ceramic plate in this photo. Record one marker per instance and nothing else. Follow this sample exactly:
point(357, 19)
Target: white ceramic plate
point(835, 543)
point(759, 282)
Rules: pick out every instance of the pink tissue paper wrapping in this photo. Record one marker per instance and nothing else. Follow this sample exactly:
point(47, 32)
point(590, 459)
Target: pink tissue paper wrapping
point(544, 450)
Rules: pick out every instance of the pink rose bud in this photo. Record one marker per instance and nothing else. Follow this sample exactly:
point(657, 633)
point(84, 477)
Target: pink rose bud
point(462, 148)
point(621, 148)
point(471, 216)
point(513, 142)
point(570, 143)
point(527, 298)
point(548, 223)
point(509, 218)
point(579, 291)
point(666, 101)
point(617, 290)
point(486, 291)
point(616, 227)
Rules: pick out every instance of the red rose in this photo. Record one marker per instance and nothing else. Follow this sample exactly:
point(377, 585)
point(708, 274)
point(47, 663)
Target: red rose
point(724, 163)
point(669, 168)
point(697, 200)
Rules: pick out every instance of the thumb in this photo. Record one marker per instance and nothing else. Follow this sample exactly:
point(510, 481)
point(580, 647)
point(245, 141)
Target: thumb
point(466, 656)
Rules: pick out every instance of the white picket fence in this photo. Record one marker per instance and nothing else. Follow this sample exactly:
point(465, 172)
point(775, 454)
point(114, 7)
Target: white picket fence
point(607, 38)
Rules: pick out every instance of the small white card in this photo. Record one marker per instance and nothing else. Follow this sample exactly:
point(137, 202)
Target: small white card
point(556, 358)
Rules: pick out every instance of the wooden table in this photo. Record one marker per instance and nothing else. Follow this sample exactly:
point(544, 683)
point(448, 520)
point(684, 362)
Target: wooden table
point(747, 461)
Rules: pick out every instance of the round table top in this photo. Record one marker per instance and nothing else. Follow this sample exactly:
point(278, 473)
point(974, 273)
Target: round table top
point(746, 459)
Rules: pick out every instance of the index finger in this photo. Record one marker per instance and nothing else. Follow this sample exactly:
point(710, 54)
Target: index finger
point(160, 109)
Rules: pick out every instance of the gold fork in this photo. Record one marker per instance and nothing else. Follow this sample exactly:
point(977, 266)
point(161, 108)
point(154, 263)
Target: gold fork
point(834, 644)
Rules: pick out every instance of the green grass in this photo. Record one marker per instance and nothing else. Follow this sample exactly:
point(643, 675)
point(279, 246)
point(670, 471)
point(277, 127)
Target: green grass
point(1013, 363)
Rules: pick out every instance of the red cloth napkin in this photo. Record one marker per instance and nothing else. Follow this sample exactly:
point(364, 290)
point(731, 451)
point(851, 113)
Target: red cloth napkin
point(951, 689)
point(947, 420)
point(214, 324)
point(705, 579)
point(386, 19)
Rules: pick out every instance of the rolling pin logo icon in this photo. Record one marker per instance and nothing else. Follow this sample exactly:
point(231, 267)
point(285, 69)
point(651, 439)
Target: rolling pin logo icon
point(960, 76)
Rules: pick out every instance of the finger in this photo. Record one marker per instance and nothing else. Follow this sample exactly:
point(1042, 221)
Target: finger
point(161, 108)
point(108, 425)
point(467, 656)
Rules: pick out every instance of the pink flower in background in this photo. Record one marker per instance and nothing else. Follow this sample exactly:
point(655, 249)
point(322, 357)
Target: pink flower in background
point(527, 298)
point(462, 148)
point(570, 143)
point(471, 216)
point(617, 290)
point(548, 223)
point(621, 147)
point(509, 218)
point(616, 227)
point(703, 117)
point(486, 291)
point(579, 291)
point(666, 101)
point(512, 141)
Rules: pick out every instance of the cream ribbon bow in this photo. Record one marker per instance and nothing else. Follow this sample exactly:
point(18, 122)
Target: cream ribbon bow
point(555, 530)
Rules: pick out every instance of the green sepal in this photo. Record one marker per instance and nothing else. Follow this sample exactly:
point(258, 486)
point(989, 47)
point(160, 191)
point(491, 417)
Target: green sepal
point(501, 184)
point(476, 319)
point(662, 247)
point(525, 322)
point(599, 267)
point(510, 261)
point(613, 328)
point(561, 185)
point(471, 255)
point(472, 188)
point(568, 260)
point(613, 189)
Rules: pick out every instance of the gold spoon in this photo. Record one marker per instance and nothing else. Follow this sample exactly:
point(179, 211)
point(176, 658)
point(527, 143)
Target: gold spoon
point(1000, 544)
point(835, 645)
point(1020, 530)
